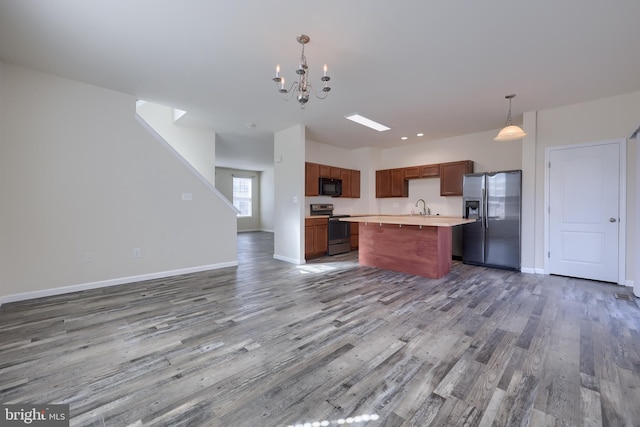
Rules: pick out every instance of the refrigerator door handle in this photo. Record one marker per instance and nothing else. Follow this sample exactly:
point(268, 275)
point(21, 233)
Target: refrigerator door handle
point(485, 211)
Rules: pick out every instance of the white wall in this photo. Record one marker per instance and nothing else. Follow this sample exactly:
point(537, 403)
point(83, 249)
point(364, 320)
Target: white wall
point(81, 176)
point(600, 120)
point(636, 263)
point(267, 200)
point(196, 145)
point(224, 183)
point(289, 153)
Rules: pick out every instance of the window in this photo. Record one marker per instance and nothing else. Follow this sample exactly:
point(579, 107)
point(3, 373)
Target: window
point(242, 195)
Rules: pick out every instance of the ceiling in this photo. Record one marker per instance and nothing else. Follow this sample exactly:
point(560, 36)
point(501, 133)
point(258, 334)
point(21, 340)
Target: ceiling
point(439, 67)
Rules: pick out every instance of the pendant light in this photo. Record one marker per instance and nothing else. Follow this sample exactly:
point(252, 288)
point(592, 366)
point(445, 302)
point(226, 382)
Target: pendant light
point(510, 132)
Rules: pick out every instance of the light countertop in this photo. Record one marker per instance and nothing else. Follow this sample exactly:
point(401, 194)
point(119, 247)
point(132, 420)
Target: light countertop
point(428, 220)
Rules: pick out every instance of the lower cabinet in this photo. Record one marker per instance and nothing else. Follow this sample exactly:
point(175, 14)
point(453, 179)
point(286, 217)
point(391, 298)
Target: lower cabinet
point(354, 235)
point(316, 237)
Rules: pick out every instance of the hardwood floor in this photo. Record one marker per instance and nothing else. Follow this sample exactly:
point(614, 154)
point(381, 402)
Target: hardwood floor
point(273, 344)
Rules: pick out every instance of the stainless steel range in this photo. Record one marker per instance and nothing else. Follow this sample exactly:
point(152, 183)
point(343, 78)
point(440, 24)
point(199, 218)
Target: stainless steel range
point(339, 231)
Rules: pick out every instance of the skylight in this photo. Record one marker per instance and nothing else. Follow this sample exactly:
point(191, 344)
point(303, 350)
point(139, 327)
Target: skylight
point(355, 117)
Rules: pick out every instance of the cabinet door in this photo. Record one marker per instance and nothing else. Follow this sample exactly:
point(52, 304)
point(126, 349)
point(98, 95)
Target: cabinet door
point(311, 184)
point(355, 184)
point(383, 183)
point(336, 172)
point(345, 176)
point(309, 238)
point(451, 177)
point(354, 235)
point(325, 171)
point(427, 171)
point(399, 186)
point(412, 172)
point(321, 236)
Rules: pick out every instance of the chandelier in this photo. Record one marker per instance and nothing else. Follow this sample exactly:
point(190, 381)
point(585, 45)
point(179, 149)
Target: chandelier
point(302, 88)
point(510, 131)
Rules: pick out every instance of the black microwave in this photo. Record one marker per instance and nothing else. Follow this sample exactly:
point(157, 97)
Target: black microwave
point(330, 187)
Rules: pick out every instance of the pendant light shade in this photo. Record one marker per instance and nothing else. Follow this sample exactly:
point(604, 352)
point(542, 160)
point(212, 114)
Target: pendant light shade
point(510, 131)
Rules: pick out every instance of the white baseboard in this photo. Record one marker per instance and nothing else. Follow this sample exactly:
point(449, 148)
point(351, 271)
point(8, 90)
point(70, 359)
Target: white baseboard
point(287, 259)
point(532, 270)
point(111, 282)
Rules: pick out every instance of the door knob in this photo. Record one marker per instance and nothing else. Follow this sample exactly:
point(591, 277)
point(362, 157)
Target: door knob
point(612, 220)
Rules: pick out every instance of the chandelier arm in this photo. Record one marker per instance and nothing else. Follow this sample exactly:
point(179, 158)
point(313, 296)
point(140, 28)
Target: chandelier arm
point(290, 92)
point(318, 94)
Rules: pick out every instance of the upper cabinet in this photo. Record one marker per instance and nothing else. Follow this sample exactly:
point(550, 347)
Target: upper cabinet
point(451, 175)
point(311, 181)
point(395, 182)
point(391, 183)
point(428, 171)
point(355, 184)
point(350, 179)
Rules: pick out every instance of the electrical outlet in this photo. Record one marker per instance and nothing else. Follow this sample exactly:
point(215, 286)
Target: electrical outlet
point(89, 257)
point(137, 252)
point(187, 196)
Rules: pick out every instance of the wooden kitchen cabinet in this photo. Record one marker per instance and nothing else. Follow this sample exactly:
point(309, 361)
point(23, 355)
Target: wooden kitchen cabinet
point(309, 238)
point(316, 237)
point(311, 179)
point(412, 172)
point(429, 171)
point(383, 183)
point(345, 176)
point(355, 184)
point(451, 177)
point(399, 185)
point(354, 235)
point(350, 179)
point(325, 171)
point(391, 183)
point(395, 182)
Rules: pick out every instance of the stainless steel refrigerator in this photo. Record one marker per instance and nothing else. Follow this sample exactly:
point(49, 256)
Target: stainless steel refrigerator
point(494, 200)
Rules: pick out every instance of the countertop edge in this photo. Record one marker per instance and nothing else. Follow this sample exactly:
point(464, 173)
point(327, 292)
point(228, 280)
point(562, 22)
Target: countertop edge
point(429, 221)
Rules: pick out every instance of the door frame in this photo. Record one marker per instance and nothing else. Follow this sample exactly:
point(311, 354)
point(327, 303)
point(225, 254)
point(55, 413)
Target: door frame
point(622, 203)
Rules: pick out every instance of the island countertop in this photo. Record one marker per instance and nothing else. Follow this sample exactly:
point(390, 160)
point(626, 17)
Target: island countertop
point(424, 220)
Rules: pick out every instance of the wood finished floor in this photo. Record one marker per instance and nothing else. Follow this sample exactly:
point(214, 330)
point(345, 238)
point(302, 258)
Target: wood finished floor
point(273, 344)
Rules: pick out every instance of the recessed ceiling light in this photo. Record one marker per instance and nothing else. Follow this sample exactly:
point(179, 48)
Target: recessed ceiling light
point(355, 117)
point(420, 134)
point(404, 138)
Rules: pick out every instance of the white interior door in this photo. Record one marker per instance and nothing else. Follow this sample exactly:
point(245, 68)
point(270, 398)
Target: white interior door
point(584, 205)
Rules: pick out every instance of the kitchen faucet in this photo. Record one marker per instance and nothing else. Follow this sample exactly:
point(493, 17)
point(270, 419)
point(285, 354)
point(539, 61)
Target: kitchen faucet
point(425, 209)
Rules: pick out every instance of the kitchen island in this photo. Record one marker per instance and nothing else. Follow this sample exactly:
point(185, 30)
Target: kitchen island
point(414, 244)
